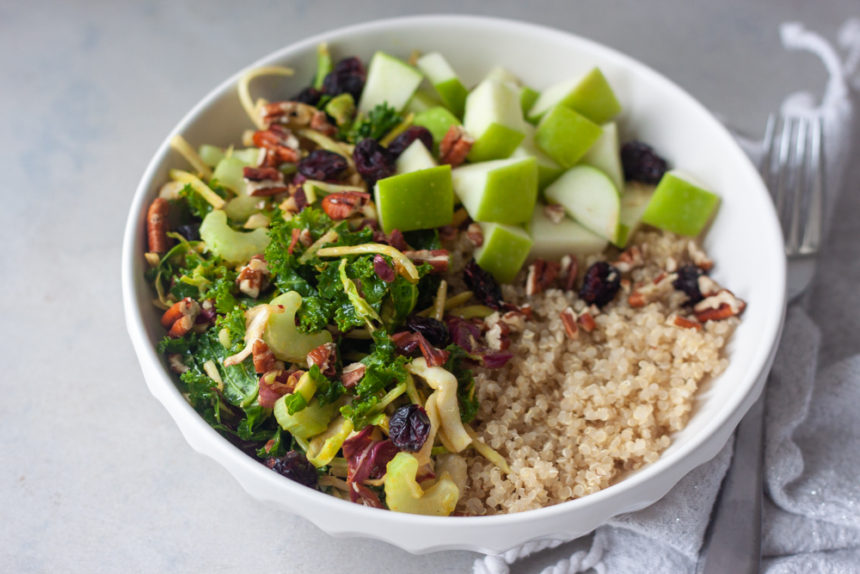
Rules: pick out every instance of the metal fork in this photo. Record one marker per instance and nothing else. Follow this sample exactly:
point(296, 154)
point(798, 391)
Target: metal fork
point(793, 169)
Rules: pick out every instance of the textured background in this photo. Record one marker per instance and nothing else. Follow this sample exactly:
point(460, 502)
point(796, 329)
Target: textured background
point(95, 477)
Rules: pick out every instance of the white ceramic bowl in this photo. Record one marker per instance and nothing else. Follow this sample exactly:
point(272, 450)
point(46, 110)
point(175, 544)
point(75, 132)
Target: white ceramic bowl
point(745, 241)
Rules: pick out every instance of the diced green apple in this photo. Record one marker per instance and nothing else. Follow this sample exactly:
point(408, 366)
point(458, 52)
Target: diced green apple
point(389, 80)
point(548, 169)
point(504, 250)
point(438, 120)
point(445, 81)
point(680, 206)
point(500, 191)
point(566, 135)
point(634, 200)
point(421, 101)
point(589, 196)
point(494, 118)
point(605, 155)
point(528, 96)
point(590, 95)
point(552, 240)
point(415, 158)
point(420, 199)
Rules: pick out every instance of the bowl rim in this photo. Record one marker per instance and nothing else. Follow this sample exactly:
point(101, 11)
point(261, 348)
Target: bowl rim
point(209, 442)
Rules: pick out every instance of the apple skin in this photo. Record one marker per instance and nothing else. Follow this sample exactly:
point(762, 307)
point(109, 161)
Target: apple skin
point(634, 200)
point(588, 196)
point(504, 250)
point(680, 206)
point(499, 141)
point(552, 241)
point(499, 191)
point(565, 136)
point(421, 101)
point(445, 81)
point(416, 157)
point(548, 169)
point(528, 96)
point(605, 155)
point(591, 96)
point(453, 94)
point(422, 199)
point(494, 118)
point(438, 120)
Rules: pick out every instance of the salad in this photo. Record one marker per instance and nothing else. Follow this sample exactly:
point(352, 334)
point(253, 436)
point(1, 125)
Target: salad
point(331, 285)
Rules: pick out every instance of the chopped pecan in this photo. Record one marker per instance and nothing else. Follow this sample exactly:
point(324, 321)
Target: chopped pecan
point(299, 197)
point(455, 146)
point(569, 271)
point(438, 259)
point(650, 292)
point(686, 323)
point(707, 286)
point(586, 321)
point(324, 357)
point(396, 240)
point(554, 212)
point(263, 181)
point(294, 238)
point(305, 237)
point(293, 114)
point(156, 225)
point(180, 317)
point(320, 123)
point(344, 204)
point(264, 359)
point(475, 234)
point(253, 276)
point(352, 374)
point(177, 365)
point(698, 256)
point(448, 233)
point(540, 276)
point(721, 305)
point(629, 259)
point(568, 319)
point(278, 146)
point(497, 337)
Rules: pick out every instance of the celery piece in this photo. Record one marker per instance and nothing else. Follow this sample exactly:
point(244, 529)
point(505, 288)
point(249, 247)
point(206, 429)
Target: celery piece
point(210, 154)
point(308, 422)
point(404, 494)
point(231, 245)
point(324, 65)
point(230, 173)
point(284, 338)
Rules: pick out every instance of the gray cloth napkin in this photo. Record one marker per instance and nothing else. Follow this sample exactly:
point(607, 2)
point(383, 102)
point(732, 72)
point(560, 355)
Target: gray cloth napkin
point(811, 519)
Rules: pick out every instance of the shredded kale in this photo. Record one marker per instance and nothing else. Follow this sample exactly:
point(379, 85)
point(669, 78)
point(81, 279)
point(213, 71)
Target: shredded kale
point(378, 122)
point(384, 369)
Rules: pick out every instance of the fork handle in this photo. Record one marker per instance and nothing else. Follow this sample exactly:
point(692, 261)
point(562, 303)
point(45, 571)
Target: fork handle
point(734, 541)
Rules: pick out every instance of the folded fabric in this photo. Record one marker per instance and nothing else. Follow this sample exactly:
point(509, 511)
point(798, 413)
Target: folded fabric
point(811, 517)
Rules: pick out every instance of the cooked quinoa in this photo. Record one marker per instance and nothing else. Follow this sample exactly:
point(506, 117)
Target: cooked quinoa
point(573, 416)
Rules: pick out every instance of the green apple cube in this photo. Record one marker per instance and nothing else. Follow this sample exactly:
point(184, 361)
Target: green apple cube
point(552, 240)
point(500, 74)
point(590, 95)
point(634, 200)
point(421, 101)
point(528, 97)
point(445, 81)
point(548, 169)
point(389, 80)
point(504, 250)
point(588, 196)
point(605, 155)
point(438, 120)
point(527, 94)
point(415, 158)
point(680, 206)
point(494, 118)
point(499, 191)
point(566, 136)
point(420, 199)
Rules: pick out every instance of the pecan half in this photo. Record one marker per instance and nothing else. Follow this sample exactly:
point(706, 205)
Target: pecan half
point(568, 319)
point(253, 276)
point(352, 374)
point(540, 276)
point(344, 204)
point(293, 114)
point(180, 317)
point(263, 181)
point(720, 306)
point(455, 146)
point(264, 359)
point(324, 357)
point(438, 259)
point(156, 225)
point(279, 146)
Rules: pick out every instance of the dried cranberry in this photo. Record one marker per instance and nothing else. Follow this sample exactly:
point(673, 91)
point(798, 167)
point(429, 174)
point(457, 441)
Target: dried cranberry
point(322, 164)
point(436, 332)
point(383, 269)
point(404, 140)
point(483, 285)
point(641, 163)
point(309, 95)
point(464, 333)
point(409, 427)
point(372, 161)
point(295, 466)
point(190, 231)
point(688, 282)
point(601, 283)
point(347, 77)
point(496, 360)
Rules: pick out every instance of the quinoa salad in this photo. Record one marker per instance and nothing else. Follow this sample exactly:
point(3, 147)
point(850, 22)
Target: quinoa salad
point(437, 300)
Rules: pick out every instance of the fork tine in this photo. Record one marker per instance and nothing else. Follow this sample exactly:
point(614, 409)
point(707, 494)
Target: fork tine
point(779, 166)
point(767, 156)
point(797, 177)
point(815, 183)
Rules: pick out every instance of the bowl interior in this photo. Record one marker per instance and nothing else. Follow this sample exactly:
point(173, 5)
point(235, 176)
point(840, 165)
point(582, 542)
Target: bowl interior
point(744, 241)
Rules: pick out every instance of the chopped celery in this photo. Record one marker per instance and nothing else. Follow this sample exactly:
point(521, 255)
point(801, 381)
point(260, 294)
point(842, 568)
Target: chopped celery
point(323, 448)
point(230, 172)
point(210, 154)
point(308, 422)
point(284, 338)
point(404, 494)
point(231, 245)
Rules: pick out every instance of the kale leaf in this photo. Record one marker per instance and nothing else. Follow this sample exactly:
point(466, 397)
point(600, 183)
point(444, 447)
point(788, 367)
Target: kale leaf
point(378, 122)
